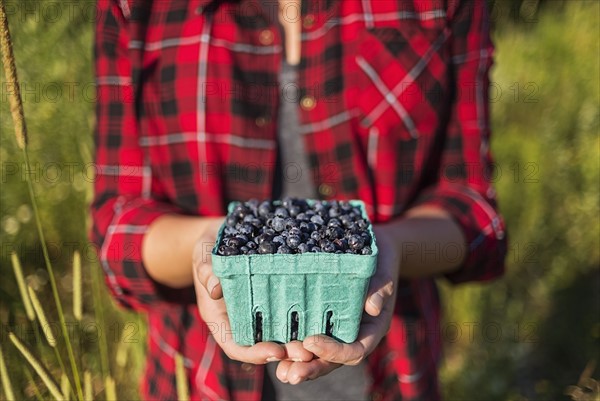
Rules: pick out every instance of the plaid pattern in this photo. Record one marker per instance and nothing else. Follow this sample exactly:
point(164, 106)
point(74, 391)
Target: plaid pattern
point(393, 111)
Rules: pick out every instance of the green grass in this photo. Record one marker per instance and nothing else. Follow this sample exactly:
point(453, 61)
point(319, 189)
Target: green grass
point(546, 146)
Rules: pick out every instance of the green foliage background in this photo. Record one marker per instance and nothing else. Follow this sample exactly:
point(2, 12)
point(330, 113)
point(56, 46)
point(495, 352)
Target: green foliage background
point(526, 336)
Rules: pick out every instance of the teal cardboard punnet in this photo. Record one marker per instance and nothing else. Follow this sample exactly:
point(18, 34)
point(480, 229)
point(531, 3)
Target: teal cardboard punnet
point(284, 297)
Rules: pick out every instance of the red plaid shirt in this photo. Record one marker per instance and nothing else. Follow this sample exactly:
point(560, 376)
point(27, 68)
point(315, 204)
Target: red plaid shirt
point(393, 110)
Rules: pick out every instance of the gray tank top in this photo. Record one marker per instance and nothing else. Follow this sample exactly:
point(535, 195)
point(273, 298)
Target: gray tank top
point(294, 179)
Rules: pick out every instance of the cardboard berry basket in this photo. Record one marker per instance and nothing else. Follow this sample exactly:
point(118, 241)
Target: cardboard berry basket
point(284, 297)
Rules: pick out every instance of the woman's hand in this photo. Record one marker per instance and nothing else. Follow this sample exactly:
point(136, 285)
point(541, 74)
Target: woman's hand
point(375, 323)
point(214, 313)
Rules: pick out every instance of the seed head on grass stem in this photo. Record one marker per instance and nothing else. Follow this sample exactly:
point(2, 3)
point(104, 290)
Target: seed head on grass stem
point(16, 264)
point(77, 301)
point(37, 366)
point(6, 385)
point(88, 393)
point(41, 315)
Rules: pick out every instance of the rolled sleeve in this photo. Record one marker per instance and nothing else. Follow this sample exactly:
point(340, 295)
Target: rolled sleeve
point(463, 186)
point(483, 229)
point(128, 198)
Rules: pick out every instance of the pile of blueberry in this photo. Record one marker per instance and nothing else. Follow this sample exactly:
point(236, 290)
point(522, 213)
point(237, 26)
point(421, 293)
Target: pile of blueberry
point(293, 226)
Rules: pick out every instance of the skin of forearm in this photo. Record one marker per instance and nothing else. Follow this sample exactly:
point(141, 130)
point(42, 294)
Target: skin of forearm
point(168, 246)
point(430, 242)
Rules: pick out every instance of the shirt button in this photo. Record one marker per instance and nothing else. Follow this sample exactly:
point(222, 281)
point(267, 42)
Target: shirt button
point(247, 367)
point(266, 37)
point(309, 21)
point(262, 121)
point(326, 190)
point(308, 103)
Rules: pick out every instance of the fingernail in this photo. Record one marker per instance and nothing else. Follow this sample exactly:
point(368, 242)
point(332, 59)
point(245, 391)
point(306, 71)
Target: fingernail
point(296, 359)
point(377, 301)
point(212, 282)
point(273, 359)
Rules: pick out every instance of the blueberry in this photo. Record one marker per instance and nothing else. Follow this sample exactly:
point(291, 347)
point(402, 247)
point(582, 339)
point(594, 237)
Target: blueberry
point(294, 211)
point(345, 206)
point(311, 242)
point(356, 242)
point(362, 224)
point(366, 250)
point(290, 223)
point(317, 219)
point(295, 231)
point(278, 239)
point(230, 251)
point(266, 247)
point(229, 231)
point(263, 238)
point(243, 238)
point(244, 249)
point(366, 237)
point(264, 209)
point(252, 252)
point(302, 217)
point(287, 202)
point(316, 249)
point(231, 220)
point(293, 241)
point(281, 212)
point(334, 223)
point(316, 235)
point(278, 224)
point(269, 231)
point(234, 242)
point(305, 227)
point(334, 212)
point(251, 245)
point(303, 248)
point(284, 249)
point(246, 229)
point(221, 249)
point(341, 244)
point(329, 247)
point(334, 232)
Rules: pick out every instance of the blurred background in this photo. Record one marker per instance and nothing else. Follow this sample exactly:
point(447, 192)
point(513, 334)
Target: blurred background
point(527, 336)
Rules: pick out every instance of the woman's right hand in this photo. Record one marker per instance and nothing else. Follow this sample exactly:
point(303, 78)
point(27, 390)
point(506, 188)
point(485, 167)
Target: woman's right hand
point(213, 311)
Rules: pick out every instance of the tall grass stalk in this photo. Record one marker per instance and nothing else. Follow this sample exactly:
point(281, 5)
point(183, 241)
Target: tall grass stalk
point(36, 390)
point(16, 264)
point(109, 389)
point(88, 392)
point(6, 385)
point(41, 315)
point(183, 393)
point(65, 387)
point(99, 312)
point(16, 106)
point(37, 366)
point(77, 301)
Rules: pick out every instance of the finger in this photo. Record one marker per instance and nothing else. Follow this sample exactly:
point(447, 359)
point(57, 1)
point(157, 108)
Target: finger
point(380, 293)
point(296, 352)
point(282, 370)
point(214, 313)
point(299, 372)
point(202, 266)
point(333, 351)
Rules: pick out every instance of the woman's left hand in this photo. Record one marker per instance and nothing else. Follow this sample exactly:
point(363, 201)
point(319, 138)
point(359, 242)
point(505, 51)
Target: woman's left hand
point(375, 323)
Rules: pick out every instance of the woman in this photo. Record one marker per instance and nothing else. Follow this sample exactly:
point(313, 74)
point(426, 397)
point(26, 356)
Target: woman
point(205, 102)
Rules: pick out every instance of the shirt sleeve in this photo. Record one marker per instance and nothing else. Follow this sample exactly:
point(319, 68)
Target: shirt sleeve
point(463, 186)
point(127, 199)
